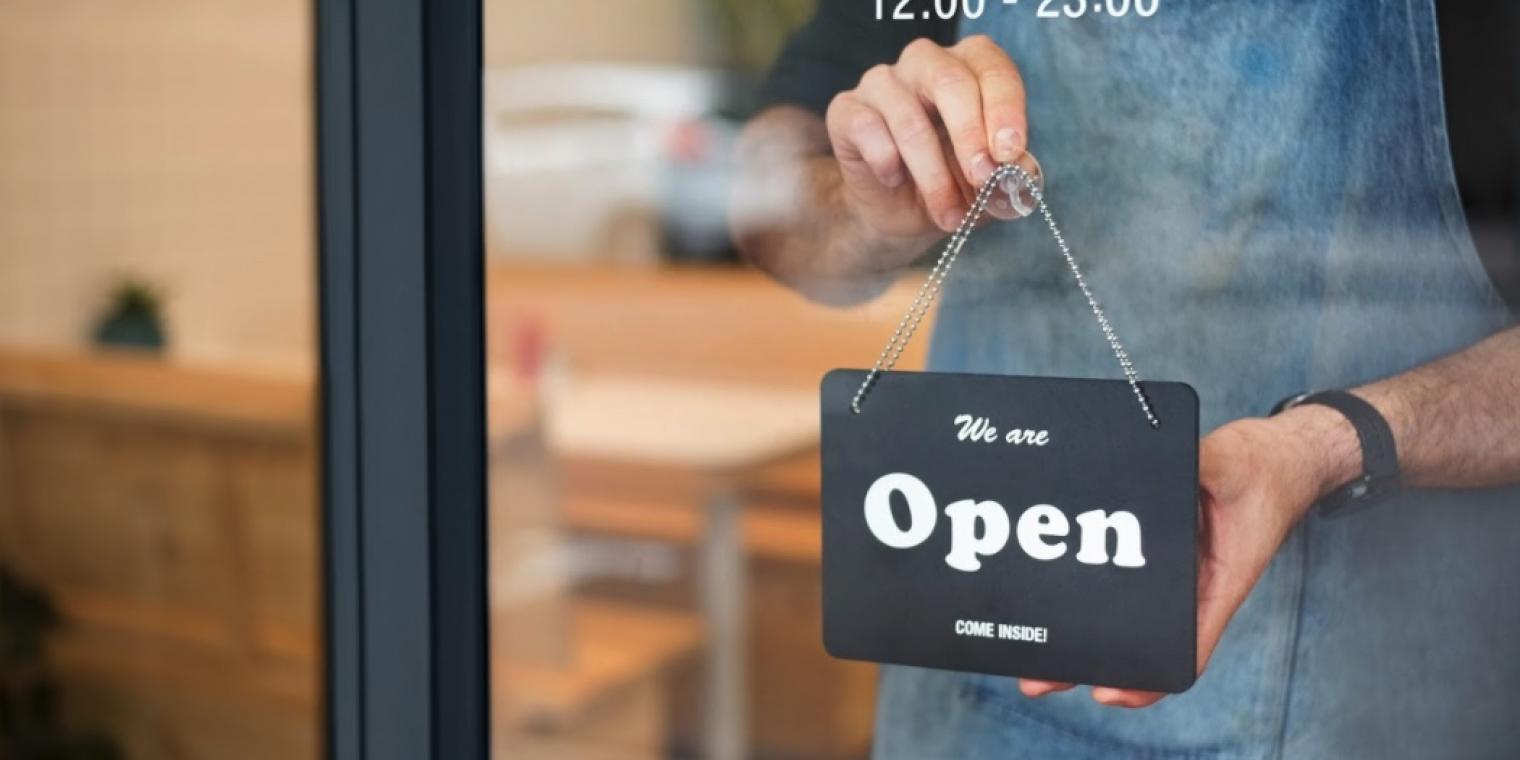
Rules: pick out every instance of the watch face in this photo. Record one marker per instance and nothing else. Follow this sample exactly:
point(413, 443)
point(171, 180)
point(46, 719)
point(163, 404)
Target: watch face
point(1355, 496)
point(1288, 403)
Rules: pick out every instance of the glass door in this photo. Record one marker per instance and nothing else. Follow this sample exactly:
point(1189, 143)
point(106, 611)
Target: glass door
point(570, 438)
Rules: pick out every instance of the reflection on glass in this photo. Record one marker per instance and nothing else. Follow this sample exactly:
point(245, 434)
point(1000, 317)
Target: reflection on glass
point(654, 484)
point(1260, 210)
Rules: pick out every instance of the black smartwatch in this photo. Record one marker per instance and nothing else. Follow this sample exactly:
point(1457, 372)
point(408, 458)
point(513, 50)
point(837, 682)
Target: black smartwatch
point(1380, 457)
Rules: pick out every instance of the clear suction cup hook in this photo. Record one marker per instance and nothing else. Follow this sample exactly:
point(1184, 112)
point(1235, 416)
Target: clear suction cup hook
point(1020, 198)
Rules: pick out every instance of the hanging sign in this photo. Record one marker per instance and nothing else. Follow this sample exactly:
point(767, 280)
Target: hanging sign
point(1023, 526)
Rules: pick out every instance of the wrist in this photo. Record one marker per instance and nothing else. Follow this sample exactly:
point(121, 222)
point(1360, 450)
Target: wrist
point(1328, 450)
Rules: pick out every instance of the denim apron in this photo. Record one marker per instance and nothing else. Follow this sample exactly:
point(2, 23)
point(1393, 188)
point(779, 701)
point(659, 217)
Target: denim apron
point(1262, 196)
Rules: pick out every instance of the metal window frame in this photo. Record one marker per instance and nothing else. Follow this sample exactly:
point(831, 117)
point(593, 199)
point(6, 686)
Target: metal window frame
point(402, 386)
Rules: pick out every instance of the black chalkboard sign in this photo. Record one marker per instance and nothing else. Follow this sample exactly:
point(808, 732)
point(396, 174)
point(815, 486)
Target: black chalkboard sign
point(1022, 526)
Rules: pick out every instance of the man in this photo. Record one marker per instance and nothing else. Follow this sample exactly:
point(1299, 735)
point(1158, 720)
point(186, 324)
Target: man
point(1262, 197)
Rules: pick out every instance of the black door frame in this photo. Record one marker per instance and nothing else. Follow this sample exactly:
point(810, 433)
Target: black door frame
point(403, 383)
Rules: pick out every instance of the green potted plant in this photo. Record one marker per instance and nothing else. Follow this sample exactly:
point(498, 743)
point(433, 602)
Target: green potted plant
point(133, 318)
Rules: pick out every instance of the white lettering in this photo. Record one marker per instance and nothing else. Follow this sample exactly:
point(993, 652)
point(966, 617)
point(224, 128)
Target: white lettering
point(981, 528)
point(1035, 524)
point(975, 429)
point(1030, 633)
point(965, 544)
point(921, 511)
point(970, 427)
point(1095, 525)
point(980, 628)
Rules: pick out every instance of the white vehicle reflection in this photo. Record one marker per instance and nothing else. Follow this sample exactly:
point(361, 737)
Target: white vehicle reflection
point(606, 161)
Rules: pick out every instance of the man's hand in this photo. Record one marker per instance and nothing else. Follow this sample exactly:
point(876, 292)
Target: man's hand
point(1257, 477)
point(915, 138)
point(835, 207)
point(1456, 424)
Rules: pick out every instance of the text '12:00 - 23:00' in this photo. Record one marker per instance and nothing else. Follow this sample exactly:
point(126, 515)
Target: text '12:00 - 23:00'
point(946, 10)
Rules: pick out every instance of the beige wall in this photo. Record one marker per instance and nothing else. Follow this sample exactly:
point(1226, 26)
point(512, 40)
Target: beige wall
point(633, 31)
point(172, 140)
point(166, 138)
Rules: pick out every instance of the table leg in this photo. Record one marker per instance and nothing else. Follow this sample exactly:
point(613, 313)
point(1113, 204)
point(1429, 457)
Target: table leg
point(723, 600)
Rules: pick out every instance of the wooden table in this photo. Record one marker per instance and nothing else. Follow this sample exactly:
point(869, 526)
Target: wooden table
point(717, 432)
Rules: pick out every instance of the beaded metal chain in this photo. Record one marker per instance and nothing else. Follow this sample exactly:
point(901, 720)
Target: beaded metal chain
point(932, 285)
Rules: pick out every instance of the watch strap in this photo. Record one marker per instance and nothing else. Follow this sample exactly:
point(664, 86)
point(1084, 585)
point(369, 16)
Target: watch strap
point(1380, 459)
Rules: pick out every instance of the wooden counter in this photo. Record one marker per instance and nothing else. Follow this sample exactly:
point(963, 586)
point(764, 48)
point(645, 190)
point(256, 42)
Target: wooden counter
point(170, 513)
point(696, 323)
point(127, 382)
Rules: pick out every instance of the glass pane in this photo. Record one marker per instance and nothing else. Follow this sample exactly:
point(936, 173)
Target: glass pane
point(654, 467)
point(159, 570)
point(1266, 198)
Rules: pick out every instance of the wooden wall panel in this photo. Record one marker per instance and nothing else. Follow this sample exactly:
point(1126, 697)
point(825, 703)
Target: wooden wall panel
point(171, 513)
point(276, 491)
point(123, 520)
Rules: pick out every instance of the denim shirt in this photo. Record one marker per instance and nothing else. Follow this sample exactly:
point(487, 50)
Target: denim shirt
point(1262, 197)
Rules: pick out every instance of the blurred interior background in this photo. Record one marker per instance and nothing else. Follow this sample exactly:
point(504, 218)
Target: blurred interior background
point(655, 538)
point(654, 484)
point(653, 432)
point(158, 486)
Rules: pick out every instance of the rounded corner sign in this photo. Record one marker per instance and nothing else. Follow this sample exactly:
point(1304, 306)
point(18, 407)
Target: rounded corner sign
point(1019, 526)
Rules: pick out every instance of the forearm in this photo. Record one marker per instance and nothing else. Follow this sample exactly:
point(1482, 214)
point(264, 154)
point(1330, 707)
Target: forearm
point(790, 218)
point(1455, 421)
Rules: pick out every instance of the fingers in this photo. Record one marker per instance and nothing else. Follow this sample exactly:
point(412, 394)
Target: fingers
point(947, 83)
point(1002, 93)
point(942, 117)
point(1125, 697)
point(917, 143)
point(1033, 688)
point(1102, 694)
point(861, 141)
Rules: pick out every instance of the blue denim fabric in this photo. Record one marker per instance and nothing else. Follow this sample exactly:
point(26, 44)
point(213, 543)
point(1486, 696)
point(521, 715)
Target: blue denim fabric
point(1262, 196)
